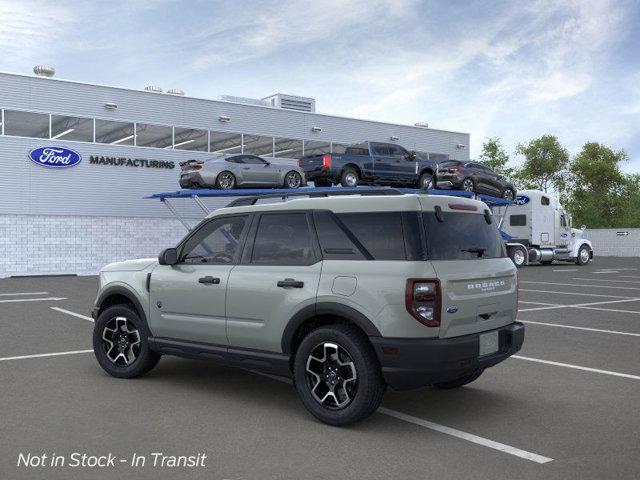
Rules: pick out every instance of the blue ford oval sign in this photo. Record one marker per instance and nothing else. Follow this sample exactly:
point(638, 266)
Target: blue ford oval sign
point(56, 157)
point(452, 309)
point(521, 200)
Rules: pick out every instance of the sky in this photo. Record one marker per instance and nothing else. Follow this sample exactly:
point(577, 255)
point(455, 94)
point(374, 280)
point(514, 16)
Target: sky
point(514, 70)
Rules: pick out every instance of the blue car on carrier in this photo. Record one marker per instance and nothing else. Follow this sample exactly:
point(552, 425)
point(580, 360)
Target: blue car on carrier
point(370, 163)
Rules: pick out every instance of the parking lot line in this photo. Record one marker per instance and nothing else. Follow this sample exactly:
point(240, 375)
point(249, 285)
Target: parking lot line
point(540, 303)
point(584, 305)
point(73, 314)
point(23, 293)
point(566, 269)
point(577, 293)
point(442, 429)
point(485, 442)
point(604, 280)
point(40, 355)
point(577, 367)
point(579, 285)
point(597, 330)
point(608, 309)
point(44, 299)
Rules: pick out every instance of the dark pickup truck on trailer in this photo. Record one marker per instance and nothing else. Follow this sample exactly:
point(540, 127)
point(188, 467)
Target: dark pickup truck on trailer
point(369, 163)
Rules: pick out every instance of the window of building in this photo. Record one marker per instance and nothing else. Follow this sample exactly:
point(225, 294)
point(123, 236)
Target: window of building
point(517, 220)
point(114, 133)
point(379, 232)
point(258, 145)
point(287, 148)
point(26, 124)
point(72, 128)
point(158, 136)
point(316, 148)
point(283, 239)
point(191, 139)
point(216, 242)
point(225, 142)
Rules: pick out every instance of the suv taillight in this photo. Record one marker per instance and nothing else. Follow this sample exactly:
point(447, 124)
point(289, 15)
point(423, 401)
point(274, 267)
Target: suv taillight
point(299, 162)
point(196, 167)
point(326, 160)
point(422, 299)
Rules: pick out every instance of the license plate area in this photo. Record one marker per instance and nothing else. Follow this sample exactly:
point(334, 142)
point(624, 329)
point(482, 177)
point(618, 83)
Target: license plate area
point(489, 343)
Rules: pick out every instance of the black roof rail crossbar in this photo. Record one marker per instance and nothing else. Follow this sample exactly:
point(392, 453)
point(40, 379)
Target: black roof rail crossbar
point(242, 202)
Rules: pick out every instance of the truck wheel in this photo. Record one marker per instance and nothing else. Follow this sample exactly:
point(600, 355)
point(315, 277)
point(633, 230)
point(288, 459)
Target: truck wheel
point(583, 255)
point(120, 343)
point(518, 256)
point(337, 375)
point(468, 185)
point(459, 382)
point(349, 178)
point(426, 181)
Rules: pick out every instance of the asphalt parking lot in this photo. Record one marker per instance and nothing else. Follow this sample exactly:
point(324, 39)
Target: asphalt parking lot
point(565, 407)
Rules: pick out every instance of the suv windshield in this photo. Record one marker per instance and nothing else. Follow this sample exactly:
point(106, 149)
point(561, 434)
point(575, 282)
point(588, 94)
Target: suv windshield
point(461, 236)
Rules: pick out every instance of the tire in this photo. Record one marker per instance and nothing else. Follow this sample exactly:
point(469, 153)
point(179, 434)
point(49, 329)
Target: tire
point(349, 178)
point(508, 194)
point(135, 360)
point(426, 181)
point(468, 185)
point(459, 382)
point(225, 180)
point(322, 183)
point(355, 398)
point(292, 180)
point(518, 256)
point(584, 255)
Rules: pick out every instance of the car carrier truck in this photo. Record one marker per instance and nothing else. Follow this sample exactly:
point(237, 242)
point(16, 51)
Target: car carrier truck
point(537, 229)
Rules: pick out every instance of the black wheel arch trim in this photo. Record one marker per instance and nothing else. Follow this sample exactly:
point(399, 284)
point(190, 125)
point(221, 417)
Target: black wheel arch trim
point(325, 308)
point(123, 291)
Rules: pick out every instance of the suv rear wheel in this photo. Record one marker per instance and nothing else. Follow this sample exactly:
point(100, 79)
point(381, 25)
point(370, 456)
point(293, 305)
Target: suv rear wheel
point(120, 343)
point(337, 375)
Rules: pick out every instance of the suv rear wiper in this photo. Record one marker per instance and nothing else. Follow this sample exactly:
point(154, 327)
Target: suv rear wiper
point(479, 250)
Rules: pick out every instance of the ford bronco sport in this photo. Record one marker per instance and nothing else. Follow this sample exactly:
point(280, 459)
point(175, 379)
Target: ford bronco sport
point(345, 294)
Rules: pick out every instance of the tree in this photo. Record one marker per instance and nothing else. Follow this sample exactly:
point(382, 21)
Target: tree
point(545, 164)
point(599, 193)
point(495, 157)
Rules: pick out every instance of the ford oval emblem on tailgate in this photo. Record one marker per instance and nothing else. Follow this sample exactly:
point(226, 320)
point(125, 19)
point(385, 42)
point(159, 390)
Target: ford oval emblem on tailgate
point(452, 309)
point(56, 157)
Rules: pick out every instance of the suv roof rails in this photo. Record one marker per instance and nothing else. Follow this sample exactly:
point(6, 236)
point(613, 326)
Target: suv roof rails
point(241, 202)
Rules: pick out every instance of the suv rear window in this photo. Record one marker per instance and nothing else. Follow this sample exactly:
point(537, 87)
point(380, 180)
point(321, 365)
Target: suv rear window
point(460, 236)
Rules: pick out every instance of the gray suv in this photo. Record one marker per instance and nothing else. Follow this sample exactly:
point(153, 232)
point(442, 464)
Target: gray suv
point(345, 294)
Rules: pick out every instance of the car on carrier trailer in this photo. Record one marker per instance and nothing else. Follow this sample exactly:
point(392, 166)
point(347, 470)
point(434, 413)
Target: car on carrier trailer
point(537, 229)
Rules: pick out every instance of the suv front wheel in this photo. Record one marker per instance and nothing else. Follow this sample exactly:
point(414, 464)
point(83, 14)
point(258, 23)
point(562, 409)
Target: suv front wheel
point(337, 375)
point(120, 343)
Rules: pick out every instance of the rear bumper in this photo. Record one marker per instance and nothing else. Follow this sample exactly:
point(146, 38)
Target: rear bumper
point(191, 180)
point(321, 173)
point(411, 363)
point(448, 183)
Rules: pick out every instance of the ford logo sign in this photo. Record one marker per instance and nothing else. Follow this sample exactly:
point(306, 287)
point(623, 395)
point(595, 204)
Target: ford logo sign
point(521, 200)
point(452, 309)
point(56, 157)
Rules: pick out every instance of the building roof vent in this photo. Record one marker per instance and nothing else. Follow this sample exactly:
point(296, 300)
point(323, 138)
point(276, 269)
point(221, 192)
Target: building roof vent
point(153, 88)
point(44, 71)
point(175, 91)
point(292, 102)
point(422, 124)
point(244, 100)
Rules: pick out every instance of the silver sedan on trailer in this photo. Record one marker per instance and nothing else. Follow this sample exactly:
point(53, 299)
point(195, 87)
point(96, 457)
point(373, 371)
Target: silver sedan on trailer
point(232, 171)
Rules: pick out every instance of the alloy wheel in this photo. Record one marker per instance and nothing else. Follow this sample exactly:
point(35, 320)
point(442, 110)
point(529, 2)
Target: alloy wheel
point(584, 255)
point(351, 179)
point(518, 257)
point(331, 375)
point(427, 183)
point(508, 194)
point(293, 180)
point(467, 185)
point(121, 341)
point(226, 181)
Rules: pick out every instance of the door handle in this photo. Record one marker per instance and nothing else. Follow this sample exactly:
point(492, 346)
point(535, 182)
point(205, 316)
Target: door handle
point(209, 280)
point(290, 282)
point(246, 168)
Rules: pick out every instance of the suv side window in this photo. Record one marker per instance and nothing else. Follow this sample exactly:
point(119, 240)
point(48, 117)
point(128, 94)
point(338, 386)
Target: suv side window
point(334, 240)
point(217, 241)
point(380, 232)
point(283, 239)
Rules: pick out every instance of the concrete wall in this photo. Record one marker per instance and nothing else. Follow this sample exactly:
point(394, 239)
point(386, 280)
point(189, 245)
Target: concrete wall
point(609, 242)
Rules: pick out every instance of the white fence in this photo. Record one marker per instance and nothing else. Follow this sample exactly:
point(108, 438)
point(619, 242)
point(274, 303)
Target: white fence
point(614, 242)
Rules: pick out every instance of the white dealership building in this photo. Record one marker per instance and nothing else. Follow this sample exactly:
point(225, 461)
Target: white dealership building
point(127, 144)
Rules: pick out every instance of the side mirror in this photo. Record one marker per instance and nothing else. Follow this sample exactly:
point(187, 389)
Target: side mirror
point(169, 256)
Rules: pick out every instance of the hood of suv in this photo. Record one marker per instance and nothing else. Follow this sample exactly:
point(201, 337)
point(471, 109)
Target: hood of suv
point(130, 265)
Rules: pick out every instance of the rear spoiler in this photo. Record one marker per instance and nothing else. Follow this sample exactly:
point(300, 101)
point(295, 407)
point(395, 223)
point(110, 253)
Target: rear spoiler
point(190, 162)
